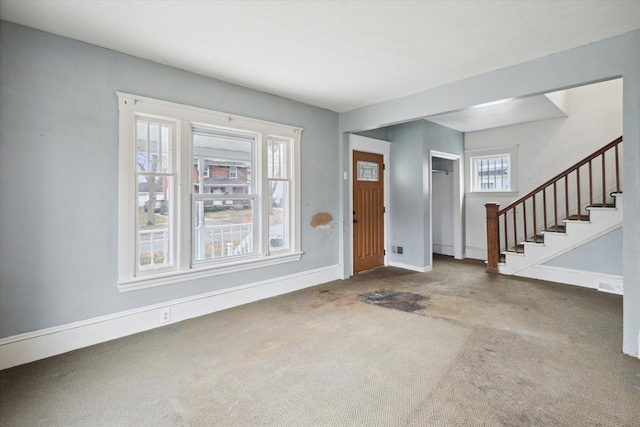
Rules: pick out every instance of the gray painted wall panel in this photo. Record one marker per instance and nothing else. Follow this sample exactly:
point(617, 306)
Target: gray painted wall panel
point(382, 133)
point(601, 255)
point(59, 176)
point(439, 138)
point(410, 221)
point(407, 193)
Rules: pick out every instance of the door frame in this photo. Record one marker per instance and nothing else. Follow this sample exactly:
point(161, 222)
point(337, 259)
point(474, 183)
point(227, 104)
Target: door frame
point(375, 146)
point(458, 202)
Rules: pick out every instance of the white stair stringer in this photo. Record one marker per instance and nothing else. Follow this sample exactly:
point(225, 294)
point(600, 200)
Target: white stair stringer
point(603, 282)
point(529, 263)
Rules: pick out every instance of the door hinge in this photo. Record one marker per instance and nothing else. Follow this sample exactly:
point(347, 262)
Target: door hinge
point(384, 252)
point(384, 167)
point(384, 209)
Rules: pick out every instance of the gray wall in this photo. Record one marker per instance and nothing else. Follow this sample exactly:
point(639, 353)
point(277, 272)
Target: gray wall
point(410, 175)
point(59, 176)
point(601, 255)
point(609, 58)
point(382, 133)
point(407, 193)
point(439, 138)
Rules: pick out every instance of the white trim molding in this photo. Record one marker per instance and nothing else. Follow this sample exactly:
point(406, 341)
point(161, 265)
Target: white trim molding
point(476, 253)
point(443, 249)
point(36, 345)
point(603, 282)
point(458, 202)
point(424, 269)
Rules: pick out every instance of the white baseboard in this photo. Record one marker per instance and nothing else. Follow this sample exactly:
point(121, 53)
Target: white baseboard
point(476, 253)
point(36, 345)
point(443, 249)
point(410, 267)
point(602, 282)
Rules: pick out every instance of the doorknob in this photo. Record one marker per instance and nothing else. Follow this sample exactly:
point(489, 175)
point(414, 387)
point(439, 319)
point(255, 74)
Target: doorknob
point(355, 220)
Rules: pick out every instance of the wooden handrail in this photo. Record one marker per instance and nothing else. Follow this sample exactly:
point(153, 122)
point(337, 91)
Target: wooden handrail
point(494, 215)
point(563, 174)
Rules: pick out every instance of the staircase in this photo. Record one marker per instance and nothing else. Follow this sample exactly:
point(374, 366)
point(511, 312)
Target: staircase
point(575, 207)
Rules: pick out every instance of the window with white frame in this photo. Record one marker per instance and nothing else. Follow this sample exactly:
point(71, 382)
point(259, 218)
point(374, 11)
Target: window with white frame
point(491, 170)
point(154, 179)
point(177, 221)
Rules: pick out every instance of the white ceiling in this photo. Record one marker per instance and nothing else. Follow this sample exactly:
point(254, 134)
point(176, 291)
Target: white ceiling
point(339, 55)
point(500, 113)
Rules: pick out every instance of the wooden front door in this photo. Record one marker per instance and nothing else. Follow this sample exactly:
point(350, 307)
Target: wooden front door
point(368, 211)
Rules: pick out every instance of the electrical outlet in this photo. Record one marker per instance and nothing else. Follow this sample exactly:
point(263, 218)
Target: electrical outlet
point(400, 250)
point(165, 315)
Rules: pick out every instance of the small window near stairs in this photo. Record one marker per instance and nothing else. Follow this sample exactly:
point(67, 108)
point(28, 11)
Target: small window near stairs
point(491, 170)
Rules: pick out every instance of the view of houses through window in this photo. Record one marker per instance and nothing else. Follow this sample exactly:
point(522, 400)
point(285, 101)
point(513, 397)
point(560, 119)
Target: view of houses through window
point(224, 193)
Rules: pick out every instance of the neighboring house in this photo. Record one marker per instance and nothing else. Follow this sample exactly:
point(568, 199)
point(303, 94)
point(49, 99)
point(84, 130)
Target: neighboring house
point(223, 178)
point(226, 177)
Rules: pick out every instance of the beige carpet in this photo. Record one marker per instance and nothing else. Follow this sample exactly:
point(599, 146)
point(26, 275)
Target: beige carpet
point(483, 350)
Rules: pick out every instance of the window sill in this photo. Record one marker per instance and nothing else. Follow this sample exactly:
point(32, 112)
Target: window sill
point(169, 278)
point(485, 194)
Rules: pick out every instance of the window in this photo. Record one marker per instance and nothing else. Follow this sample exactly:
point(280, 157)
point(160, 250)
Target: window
point(491, 170)
point(225, 218)
point(154, 178)
point(203, 192)
point(491, 173)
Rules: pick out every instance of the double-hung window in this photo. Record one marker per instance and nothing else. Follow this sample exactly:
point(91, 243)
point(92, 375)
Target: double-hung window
point(155, 177)
point(491, 170)
point(203, 193)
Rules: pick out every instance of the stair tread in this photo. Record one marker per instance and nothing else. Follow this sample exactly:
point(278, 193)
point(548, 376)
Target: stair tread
point(582, 217)
point(540, 239)
point(519, 249)
point(599, 205)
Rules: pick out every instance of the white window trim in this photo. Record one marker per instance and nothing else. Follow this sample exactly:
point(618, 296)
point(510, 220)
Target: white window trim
point(184, 115)
point(470, 155)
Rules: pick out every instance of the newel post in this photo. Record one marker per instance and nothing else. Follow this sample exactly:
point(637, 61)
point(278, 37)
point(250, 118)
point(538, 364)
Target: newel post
point(493, 237)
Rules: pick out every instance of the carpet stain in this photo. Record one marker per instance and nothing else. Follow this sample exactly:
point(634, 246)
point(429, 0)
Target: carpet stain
point(403, 301)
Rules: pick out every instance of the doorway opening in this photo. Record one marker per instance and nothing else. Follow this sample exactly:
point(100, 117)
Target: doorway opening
point(368, 248)
point(446, 204)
